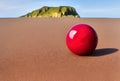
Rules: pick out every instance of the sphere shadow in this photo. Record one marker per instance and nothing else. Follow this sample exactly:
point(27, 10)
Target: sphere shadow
point(104, 51)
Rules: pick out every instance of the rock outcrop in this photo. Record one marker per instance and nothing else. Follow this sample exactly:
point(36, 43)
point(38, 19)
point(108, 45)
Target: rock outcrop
point(57, 12)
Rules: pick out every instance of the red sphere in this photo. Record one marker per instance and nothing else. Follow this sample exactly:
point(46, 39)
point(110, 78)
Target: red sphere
point(82, 39)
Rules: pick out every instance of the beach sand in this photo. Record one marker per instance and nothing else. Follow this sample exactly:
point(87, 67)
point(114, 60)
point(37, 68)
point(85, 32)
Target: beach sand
point(34, 49)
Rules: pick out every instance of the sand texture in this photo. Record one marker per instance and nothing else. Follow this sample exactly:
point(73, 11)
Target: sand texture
point(34, 49)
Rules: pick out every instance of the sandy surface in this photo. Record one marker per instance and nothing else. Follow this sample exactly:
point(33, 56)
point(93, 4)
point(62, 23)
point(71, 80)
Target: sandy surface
point(35, 50)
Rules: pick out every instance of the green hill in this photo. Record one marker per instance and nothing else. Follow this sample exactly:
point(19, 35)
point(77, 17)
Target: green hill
point(57, 12)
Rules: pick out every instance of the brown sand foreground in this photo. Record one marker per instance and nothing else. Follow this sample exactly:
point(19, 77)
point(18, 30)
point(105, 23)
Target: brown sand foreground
point(35, 50)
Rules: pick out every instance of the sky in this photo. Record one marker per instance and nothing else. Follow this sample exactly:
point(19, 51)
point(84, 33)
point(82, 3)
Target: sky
point(85, 8)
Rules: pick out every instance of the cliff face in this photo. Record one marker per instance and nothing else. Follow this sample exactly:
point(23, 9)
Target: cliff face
point(62, 11)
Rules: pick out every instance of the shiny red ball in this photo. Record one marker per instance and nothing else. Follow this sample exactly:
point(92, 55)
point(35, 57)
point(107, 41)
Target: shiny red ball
point(82, 39)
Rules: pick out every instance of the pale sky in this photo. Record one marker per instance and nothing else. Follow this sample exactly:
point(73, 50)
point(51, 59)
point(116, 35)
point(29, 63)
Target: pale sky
point(85, 8)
